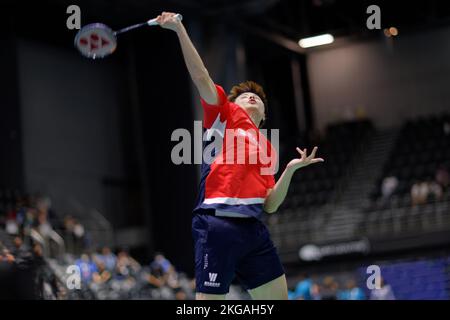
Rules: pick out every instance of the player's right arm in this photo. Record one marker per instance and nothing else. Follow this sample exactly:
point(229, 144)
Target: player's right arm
point(277, 194)
point(197, 70)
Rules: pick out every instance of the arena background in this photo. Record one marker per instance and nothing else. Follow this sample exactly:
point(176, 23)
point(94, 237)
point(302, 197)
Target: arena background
point(86, 145)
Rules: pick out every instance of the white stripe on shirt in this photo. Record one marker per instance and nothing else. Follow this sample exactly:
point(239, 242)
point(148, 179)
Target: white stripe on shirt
point(234, 201)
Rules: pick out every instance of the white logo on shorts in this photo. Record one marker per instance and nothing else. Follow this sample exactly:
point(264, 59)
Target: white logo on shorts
point(212, 281)
point(212, 277)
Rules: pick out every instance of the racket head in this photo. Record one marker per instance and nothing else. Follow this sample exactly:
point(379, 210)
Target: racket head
point(95, 40)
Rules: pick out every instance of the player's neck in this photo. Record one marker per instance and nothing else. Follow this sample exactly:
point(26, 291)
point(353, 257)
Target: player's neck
point(256, 118)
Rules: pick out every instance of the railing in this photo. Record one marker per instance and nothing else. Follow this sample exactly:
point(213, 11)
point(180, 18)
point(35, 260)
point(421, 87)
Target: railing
point(98, 227)
point(290, 232)
point(45, 243)
point(429, 217)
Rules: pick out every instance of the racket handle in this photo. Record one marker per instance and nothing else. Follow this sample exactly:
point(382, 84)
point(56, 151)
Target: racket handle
point(152, 22)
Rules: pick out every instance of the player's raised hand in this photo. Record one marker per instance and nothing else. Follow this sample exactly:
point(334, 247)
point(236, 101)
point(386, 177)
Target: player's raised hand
point(304, 160)
point(168, 20)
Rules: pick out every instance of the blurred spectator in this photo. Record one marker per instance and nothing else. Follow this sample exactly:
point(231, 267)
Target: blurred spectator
point(21, 211)
point(69, 236)
point(53, 242)
point(108, 258)
point(79, 235)
point(435, 191)
point(388, 186)
point(87, 267)
point(38, 251)
point(315, 291)
point(352, 292)
point(161, 262)
point(419, 193)
point(43, 225)
point(171, 278)
point(159, 268)
point(18, 244)
point(164, 272)
point(126, 266)
point(442, 177)
point(384, 293)
point(329, 289)
point(155, 277)
point(11, 225)
point(29, 220)
point(74, 233)
point(303, 288)
point(162, 275)
point(102, 275)
point(22, 253)
point(180, 295)
point(7, 256)
point(44, 205)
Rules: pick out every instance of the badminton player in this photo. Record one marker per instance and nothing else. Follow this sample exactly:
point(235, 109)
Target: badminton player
point(229, 238)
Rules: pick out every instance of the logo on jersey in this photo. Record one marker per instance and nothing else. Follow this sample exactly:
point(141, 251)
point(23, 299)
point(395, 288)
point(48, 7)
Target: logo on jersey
point(227, 146)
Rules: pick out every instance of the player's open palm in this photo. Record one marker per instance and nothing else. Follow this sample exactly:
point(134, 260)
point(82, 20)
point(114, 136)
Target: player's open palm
point(304, 159)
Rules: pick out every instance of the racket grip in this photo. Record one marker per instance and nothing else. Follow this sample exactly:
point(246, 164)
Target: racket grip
point(152, 22)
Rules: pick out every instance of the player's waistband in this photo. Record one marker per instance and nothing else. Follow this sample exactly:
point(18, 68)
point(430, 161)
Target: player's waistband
point(220, 213)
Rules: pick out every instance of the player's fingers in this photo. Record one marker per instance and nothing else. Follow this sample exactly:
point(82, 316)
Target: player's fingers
point(168, 15)
point(313, 153)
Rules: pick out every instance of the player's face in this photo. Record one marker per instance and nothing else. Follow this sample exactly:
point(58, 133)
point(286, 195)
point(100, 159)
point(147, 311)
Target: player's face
point(250, 102)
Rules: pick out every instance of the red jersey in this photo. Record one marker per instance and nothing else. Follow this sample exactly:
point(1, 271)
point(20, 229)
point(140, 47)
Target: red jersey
point(240, 173)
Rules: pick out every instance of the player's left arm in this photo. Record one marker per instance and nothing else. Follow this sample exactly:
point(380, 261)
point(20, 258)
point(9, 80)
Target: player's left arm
point(277, 194)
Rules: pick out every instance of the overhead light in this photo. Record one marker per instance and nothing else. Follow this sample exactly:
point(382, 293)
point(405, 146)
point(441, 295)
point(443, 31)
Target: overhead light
point(391, 32)
point(316, 41)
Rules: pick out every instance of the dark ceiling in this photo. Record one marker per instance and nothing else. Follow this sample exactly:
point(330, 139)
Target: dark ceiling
point(291, 19)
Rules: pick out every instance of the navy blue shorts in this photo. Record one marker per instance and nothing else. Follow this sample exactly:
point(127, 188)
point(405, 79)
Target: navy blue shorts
point(228, 247)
